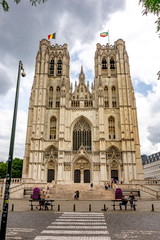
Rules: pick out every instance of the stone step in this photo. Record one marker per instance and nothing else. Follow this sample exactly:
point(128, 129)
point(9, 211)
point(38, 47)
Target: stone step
point(67, 191)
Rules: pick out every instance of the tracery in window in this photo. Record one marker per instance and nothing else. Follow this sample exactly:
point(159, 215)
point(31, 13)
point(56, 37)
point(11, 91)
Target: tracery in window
point(112, 63)
point(57, 104)
point(106, 99)
point(59, 67)
point(51, 67)
point(111, 128)
point(114, 98)
point(53, 128)
point(58, 89)
point(88, 103)
point(81, 135)
point(75, 103)
point(104, 63)
point(58, 93)
point(50, 97)
point(113, 153)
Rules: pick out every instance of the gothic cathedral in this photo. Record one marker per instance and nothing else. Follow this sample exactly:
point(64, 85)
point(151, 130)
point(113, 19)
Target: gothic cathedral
point(86, 134)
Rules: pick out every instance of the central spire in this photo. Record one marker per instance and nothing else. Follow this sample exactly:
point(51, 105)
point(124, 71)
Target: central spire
point(81, 76)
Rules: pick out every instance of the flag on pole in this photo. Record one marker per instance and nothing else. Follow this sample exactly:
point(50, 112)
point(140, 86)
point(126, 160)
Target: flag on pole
point(52, 36)
point(104, 34)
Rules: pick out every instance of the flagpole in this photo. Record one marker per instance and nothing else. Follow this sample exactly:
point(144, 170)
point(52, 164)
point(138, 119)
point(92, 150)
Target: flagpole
point(108, 38)
point(55, 37)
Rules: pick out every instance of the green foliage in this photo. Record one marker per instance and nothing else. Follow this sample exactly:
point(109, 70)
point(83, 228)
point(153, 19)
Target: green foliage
point(152, 6)
point(17, 168)
point(17, 165)
point(3, 169)
point(5, 5)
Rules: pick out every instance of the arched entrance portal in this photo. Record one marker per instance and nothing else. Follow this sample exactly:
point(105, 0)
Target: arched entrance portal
point(114, 175)
point(114, 162)
point(51, 175)
point(82, 171)
point(114, 171)
point(86, 176)
point(50, 156)
point(77, 176)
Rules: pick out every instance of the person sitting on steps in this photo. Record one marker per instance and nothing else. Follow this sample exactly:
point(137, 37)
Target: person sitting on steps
point(76, 195)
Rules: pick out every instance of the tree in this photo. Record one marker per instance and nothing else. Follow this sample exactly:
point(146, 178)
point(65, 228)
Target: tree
point(17, 165)
point(3, 169)
point(152, 6)
point(16, 168)
point(5, 5)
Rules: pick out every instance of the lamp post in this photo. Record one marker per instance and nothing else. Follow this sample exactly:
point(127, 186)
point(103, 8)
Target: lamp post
point(10, 157)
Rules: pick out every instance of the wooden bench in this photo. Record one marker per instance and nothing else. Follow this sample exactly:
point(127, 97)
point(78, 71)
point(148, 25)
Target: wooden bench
point(40, 205)
point(117, 201)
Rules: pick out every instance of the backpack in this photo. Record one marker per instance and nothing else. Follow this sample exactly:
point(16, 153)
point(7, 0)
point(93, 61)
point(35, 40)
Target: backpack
point(118, 193)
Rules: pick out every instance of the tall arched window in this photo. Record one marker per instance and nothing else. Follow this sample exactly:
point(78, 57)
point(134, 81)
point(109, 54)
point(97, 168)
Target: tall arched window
point(53, 128)
point(111, 128)
point(81, 135)
point(50, 97)
point(104, 63)
point(59, 67)
point(114, 98)
point(106, 100)
point(51, 67)
point(112, 63)
point(58, 93)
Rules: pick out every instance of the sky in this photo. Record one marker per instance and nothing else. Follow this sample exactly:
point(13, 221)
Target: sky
point(78, 23)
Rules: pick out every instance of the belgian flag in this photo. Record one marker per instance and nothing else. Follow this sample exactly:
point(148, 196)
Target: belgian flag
point(52, 36)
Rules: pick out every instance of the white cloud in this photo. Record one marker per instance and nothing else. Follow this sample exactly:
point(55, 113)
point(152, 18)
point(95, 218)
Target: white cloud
point(79, 25)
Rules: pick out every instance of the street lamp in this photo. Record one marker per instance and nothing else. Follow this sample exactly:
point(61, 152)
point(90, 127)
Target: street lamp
point(10, 157)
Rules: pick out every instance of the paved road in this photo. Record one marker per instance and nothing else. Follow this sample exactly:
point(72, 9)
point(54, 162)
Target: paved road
point(111, 225)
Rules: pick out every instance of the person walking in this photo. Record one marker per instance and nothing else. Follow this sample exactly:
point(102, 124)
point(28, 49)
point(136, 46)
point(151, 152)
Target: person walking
point(91, 185)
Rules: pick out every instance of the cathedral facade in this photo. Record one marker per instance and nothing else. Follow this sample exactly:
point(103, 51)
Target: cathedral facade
point(86, 134)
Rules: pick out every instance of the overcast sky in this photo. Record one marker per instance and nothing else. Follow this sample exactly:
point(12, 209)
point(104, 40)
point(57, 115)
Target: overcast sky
point(78, 23)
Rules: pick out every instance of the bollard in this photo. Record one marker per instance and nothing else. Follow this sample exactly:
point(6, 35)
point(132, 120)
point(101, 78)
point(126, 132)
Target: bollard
point(12, 208)
point(104, 208)
point(58, 208)
point(152, 208)
point(74, 207)
point(89, 207)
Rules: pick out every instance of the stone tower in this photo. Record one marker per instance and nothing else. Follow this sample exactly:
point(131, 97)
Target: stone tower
point(86, 134)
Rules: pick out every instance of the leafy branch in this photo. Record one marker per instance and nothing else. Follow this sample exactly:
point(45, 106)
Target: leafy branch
point(152, 6)
point(5, 6)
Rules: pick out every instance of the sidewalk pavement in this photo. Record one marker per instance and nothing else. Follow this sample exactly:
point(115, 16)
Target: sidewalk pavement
point(83, 205)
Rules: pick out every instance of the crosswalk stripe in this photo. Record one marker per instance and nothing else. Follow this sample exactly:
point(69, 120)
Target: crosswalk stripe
point(77, 226)
point(82, 213)
point(69, 232)
point(20, 229)
point(79, 220)
point(80, 223)
point(14, 238)
point(81, 217)
point(12, 233)
point(71, 238)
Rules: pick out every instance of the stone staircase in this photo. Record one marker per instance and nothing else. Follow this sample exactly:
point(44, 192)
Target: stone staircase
point(66, 192)
point(21, 189)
